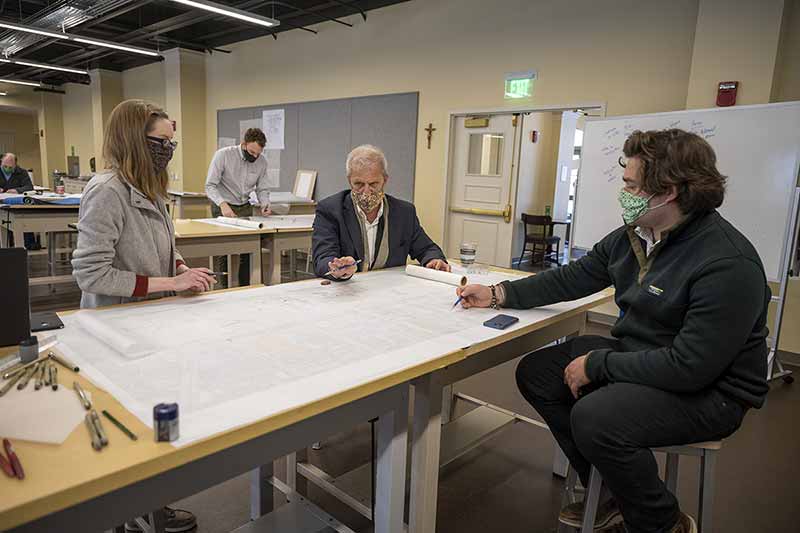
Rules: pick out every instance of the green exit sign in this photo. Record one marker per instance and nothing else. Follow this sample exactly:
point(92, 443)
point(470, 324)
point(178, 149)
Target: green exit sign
point(519, 84)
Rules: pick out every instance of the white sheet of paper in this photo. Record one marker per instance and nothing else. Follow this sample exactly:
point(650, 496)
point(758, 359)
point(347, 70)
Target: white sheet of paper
point(304, 185)
point(230, 359)
point(273, 177)
point(225, 224)
point(46, 415)
point(286, 197)
point(245, 125)
point(285, 221)
point(273, 125)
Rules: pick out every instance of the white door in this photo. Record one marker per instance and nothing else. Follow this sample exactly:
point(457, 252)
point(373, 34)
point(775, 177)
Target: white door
point(482, 186)
point(567, 166)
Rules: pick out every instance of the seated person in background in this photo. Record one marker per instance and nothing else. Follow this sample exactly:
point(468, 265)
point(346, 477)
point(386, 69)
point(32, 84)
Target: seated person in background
point(13, 179)
point(368, 225)
point(16, 180)
point(688, 357)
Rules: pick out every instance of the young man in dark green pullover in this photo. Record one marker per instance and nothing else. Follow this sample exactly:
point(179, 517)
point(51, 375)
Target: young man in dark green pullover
point(688, 355)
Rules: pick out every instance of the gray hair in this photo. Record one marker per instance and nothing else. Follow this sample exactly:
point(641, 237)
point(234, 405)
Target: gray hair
point(7, 154)
point(366, 157)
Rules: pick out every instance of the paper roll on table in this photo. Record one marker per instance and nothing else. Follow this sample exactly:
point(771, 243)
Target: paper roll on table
point(127, 346)
point(456, 280)
point(241, 222)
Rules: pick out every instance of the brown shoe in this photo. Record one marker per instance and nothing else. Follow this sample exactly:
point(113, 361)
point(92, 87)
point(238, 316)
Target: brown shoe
point(607, 514)
point(685, 524)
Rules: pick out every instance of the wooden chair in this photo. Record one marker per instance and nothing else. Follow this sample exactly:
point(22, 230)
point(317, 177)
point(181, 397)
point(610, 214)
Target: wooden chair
point(539, 234)
point(707, 451)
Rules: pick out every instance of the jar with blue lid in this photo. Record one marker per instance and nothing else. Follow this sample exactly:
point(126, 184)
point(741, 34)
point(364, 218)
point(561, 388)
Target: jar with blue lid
point(165, 422)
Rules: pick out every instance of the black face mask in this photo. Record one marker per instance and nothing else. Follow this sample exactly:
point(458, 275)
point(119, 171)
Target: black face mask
point(248, 156)
point(161, 155)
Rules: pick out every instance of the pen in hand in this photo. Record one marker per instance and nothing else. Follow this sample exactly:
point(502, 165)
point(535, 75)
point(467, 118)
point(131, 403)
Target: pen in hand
point(331, 271)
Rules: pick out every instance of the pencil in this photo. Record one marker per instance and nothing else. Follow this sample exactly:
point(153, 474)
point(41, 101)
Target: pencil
point(119, 425)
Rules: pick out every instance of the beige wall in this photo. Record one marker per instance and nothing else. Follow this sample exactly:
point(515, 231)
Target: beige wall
point(23, 124)
point(47, 107)
point(106, 95)
point(78, 133)
point(456, 59)
point(185, 73)
point(145, 83)
point(51, 138)
point(786, 86)
point(735, 41)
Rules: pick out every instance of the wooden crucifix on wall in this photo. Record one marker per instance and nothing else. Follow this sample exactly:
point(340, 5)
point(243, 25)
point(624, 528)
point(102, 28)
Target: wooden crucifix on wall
point(430, 129)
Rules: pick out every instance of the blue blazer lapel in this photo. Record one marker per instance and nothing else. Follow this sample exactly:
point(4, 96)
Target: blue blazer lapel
point(353, 227)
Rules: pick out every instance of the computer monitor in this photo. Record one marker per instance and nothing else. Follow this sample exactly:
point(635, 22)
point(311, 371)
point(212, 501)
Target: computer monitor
point(16, 323)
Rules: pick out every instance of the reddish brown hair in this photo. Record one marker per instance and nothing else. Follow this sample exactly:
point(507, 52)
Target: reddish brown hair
point(685, 160)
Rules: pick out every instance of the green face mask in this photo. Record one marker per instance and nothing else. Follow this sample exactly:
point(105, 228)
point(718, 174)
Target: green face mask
point(633, 207)
point(8, 169)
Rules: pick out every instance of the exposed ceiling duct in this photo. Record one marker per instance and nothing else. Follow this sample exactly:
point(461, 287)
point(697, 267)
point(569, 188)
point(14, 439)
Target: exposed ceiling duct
point(61, 15)
point(151, 25)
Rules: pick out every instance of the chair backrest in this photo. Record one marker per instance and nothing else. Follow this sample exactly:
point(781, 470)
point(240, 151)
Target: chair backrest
point(537, 225)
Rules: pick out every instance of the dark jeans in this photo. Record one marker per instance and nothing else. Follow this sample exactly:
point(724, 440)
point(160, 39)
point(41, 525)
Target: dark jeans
point(612, 426)
point(221, 262)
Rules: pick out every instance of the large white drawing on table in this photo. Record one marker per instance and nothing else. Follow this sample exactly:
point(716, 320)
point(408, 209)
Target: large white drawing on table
point(232, 358)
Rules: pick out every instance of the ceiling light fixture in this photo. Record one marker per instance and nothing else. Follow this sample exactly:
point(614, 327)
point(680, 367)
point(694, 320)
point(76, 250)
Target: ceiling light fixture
point(106, 44)
point(77, 38)
point(45, 66)
point(20, 82)
point(228, 11)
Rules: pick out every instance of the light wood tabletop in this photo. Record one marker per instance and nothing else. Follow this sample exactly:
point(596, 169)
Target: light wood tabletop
point(58, 477)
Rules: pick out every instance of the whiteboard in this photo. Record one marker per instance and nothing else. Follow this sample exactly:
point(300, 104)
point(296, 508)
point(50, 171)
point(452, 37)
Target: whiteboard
point(758, 148)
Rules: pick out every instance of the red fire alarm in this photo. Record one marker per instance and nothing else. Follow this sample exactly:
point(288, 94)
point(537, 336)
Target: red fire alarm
point(726, 94)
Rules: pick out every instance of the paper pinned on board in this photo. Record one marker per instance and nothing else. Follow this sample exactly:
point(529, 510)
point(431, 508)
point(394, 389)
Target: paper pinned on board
point(457, 280)
point(46, 415)
point(223, 142)
point(273, 124)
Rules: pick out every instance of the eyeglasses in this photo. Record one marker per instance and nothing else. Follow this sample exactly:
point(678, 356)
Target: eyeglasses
point(166, 143)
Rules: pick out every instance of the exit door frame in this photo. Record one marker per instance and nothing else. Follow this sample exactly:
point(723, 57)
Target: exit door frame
point(450, 145)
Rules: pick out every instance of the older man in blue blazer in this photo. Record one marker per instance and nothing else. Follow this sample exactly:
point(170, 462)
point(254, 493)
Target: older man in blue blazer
point(365, 229)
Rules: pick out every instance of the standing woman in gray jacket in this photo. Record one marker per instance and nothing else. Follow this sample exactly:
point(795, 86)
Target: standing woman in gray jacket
point(126, 241)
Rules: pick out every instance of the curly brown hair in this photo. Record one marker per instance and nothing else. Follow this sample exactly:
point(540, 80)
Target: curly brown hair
point(680, 158)
point(255, 135)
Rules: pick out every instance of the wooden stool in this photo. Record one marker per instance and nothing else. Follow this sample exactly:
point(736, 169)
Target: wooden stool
point(707, 451)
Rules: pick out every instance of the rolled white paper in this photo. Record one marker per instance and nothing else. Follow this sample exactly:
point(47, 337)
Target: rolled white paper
point(241, 222)
point(130, 348)
point(436, 275)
